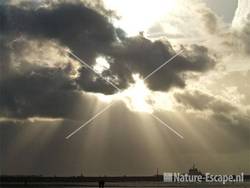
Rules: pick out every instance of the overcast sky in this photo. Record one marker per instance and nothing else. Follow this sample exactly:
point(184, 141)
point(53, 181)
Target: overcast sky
point(203, 94)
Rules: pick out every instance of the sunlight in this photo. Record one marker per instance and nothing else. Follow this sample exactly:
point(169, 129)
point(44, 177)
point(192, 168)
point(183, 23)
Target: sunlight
point(101, 65)
point(139, 15)
point(137, 96)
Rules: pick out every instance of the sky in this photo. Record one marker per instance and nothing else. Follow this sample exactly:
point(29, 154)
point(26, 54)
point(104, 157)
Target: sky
point(223, 8)
point(98, 73)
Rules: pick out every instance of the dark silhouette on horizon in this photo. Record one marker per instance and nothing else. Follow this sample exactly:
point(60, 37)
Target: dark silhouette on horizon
point(86, 181)
point(101, 183)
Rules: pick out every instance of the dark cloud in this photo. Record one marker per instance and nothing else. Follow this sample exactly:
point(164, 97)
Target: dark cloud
point(88, 34)
point(74, 25)
point(82, 29)
point(44, 92)
point(87, 31)
point(140, 55)
point(4, 57)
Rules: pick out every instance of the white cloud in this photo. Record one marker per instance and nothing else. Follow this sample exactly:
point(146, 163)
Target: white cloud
point(241, 14)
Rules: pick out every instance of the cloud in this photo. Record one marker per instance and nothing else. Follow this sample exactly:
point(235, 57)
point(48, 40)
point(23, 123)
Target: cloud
point(200, 101)
point(82, 29)
point(210, 20)
point(242, 40)
point(140, 55)
point(242, 14)
point(233, 87)
point(213, 107)
point(89, 34)
point(44, 92)
point(219, 113)
point(39, 77)
point(236, 38)
point(5, 58)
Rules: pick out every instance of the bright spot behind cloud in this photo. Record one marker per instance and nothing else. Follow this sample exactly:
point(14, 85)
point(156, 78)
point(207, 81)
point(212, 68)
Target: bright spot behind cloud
point(139, 15)
point(137, 96)
point(101, 65)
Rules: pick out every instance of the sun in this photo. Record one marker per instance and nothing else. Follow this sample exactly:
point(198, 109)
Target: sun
point(137, 96)
point(140, 15)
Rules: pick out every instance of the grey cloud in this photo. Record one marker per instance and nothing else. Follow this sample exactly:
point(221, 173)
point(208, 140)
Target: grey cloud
point(29, 87)
point(220, 114)
point(89, 34)
point(239, 80)
point(244, 38)
point(201, 101)
point(196, 100)
point(82, 29)
point(44, 92)
point(238, 40)
point(210, 20)
point(235, 39)
point(5, 58)
point(140, 55)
